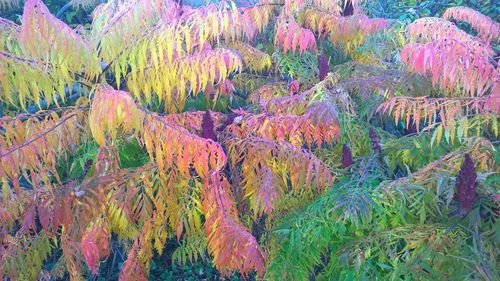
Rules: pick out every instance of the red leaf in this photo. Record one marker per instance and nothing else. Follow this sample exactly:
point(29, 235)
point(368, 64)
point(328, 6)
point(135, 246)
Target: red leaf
point(29, 218)
point(44, 215)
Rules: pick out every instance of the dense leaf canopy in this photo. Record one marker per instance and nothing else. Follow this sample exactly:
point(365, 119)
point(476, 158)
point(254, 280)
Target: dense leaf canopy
point(273, 139)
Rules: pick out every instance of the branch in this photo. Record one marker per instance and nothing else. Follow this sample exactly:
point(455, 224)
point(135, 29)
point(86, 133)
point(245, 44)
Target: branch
point(64, 9)
point(26, 143)
point(40, 114)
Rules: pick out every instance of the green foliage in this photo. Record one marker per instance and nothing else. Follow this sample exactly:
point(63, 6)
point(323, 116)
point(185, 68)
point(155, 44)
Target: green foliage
point(190, 250)
point(410, 10)
point(84, 153)
point(488, 7)
point(189, 272)
point(301, 67)
point(335, 54)
point(29, 261)
point(222, 104)
point(414, 151)
point(363, 230)
point(132, 155)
